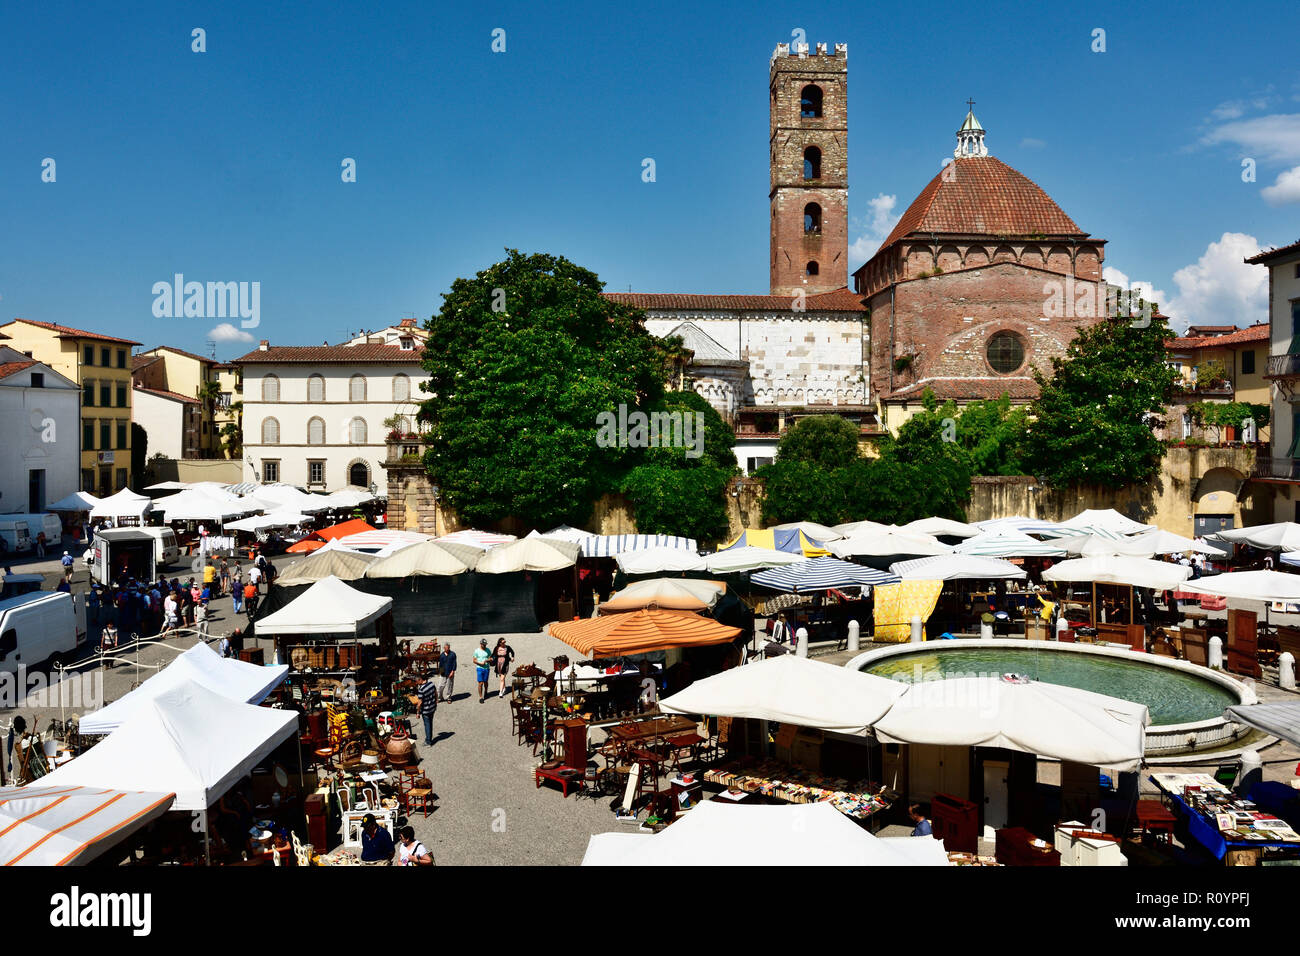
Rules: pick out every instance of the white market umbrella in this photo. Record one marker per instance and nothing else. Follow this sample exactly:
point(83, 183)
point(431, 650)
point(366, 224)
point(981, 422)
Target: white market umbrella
point(672, 594)
point(1166, 542)
point(77, 501)
point(941, 528)
point(821, 574)
point(612, 545)
point(850, 528)
point(748, 558)
point(1008, 543)
point(956, 567)
point(276, 519)
point(426, 559)
point(42, 825)
point(791, 690)
point(381, 538)
point(1099, 545)
point(1104, 519)
point(656, 560)
point(818, 532)
point(528, 554)
point(1046, 719)
point(1250, 585)
point(715, 834)
point(1280, 536)
point(1020, 524)
point(1137, 572)
point(479, 539)
point(886, 542)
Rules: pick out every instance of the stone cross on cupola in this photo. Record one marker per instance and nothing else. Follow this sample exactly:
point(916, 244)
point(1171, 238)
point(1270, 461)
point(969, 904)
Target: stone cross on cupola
point(970, 138)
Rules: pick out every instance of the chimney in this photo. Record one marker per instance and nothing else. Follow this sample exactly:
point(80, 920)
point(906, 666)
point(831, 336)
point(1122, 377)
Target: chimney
point(263, 345)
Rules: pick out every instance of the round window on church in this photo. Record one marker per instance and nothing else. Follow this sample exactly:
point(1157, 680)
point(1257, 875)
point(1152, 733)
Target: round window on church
point(1006, 353)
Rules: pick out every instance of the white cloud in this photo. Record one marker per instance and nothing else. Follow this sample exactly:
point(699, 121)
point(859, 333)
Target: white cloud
point(225, 332)
point(1286, 189)
point(1273, 137)
point(878, 226)
point(1217, 289)
point(1030, 142)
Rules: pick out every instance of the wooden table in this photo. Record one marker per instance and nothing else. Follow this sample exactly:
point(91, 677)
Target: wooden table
point(1152, 816)
point(1014, 848)
point(655, 727)
point(564, 776)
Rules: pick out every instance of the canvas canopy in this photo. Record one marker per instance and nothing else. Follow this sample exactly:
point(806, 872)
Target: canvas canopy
point(340, 530)
point(1033, 717)
point(284, 497)
point(195, 504)
point(1280, 536)
point(818, 532)
point(1278, 718)
point(716, 834)
point(233, 679)
point(1107, 519)
point(480, 539)
point(327, 607)
point(276, 519)
point(655, 560)
point(1020, 524)
point(674, 594)
point(791, 690)
point(850, 528)
point(188, 741)
point(956, 567)
point(1008, 543)
point(77, 501)
point(820, 574)
point(70, 826)
point(125, 504)
point(348, 498)
point(791, 541)
point(1249, 585)
point(610, 545)
point(1118, 569)
point(529, 554)
point(382, 538)
point(640, 632)
point(733, 560)
point(941, 528)
point(324, 563)
point(887, 542)
point(1166, 542)
point(428, 558)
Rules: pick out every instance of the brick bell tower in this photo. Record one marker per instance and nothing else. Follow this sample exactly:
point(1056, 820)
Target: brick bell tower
point(810, 172)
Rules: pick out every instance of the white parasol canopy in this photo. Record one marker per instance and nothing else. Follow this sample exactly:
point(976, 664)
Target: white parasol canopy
point(717, 834)
point(748, 558)
point(941, 527)
point(1166, 542)
point(427, 558)
point(327, 607)
point(70, 826)
point(1250, 585)
point(1106, 519)
point(673, 594)
point(956, 567)
point(875, 543)
point(276, 519)
point(654, 560)
point(529, 554)
point(1008, 543)
point(1033, 717)
point(77, 501)
point(1280, 536)
point(125, 504)
point(818, 532)
point(1115, 569)
point(791, 690)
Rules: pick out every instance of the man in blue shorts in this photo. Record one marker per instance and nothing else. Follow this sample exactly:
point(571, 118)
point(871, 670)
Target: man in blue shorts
point(481, 658)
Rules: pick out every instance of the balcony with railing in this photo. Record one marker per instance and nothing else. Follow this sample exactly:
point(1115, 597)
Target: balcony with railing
point(1268, 468)
point(1283, 366)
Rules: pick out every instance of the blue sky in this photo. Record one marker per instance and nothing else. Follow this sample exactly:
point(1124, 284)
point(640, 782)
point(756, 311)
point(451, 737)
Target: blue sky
point(225, 165)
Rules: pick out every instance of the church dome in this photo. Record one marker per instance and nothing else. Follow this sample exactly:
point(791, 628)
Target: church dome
point(983, 196)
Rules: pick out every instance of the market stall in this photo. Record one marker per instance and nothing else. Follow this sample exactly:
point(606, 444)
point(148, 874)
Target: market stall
point(1228, 827)
point(43, 825)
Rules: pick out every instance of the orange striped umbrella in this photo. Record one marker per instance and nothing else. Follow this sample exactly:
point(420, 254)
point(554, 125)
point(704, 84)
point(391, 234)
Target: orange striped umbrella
point(640, 632)
point(317, 539)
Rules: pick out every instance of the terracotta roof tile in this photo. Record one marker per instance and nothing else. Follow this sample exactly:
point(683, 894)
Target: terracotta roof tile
point(9, 368)
point(840, 300)
point(67, 331)
point(982, 195)
point(1253, 333)
point(172, 348)
point(371, 353)
point(1017, 387)
point(1263, 258)
point(163, 393)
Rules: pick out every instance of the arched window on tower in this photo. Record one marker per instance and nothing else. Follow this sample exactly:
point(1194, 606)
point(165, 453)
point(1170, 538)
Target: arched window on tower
point(810, 102)
point(812, 163)
point(812, 269)
point(812, 219)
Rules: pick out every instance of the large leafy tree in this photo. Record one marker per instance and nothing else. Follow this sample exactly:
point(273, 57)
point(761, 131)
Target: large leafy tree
point(522, 359)
point(1095, 416)
point(827, 440)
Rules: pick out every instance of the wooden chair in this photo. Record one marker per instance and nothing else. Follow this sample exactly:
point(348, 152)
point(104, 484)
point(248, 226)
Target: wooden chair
point(1196, 643)
point(420, 796)
point(301, 851)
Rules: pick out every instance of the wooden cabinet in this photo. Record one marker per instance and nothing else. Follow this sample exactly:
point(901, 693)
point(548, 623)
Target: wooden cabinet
point(574, 733)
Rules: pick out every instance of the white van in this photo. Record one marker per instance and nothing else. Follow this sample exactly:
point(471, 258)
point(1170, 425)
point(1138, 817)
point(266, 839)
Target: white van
point(17, 536)
point(52, 525)
point(131, 553)
point(43, 627)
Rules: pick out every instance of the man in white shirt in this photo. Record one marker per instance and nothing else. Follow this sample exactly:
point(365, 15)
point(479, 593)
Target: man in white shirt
point(255, 576)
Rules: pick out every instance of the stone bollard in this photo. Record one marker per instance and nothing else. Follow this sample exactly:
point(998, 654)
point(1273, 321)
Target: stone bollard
point(1216, 653)
point(1252, 769)
point(801, 642)
point(986, 631)
point(1286, 671)
point(918, 632)
point(854, 628)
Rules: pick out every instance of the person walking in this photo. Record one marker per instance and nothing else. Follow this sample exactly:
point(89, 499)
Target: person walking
point(223, 578)
point(171, 614)
point(428, 691)
point(67, 566)
point(40, 545)
point(502, 655)
point(201, 618)
point(482, 658)
point(237, 589)
point(410, 851)
point(250, 599)
point(447, 668)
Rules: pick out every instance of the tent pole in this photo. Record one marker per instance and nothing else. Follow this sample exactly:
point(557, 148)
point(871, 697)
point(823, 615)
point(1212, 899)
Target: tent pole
point(207, 846)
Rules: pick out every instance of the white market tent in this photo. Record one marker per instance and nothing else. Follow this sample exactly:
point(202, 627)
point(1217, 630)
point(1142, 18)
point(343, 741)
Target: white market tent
point(1277, 718)
point(1105, 519)
point(233, 679)
point(426, 559)
point(125, 504)
point(748, 558)
point(77, 501)
point(1033, 717)
point(956, 567)
point(1166, 542)
point(654, 560)
point(284, 497)
point(1008, 543)
point(276, 519)
point(941, 528)
point(1250, 586)
point(1100, 545)
point(189, 741)
point(716, 834)
point(612, 545)
point(381, 538)
point(818, 532)
point(850, 528)
point(327, 607)
point(886, 542)
point(529, 554)
point(329, 561)
point(791, 690)
point(479, 539)
point(206, 504)
point(1020, 524)
point(348, 498)
point(1116, 569)
point(1280, 536)
point(70, 826)
point(673, 594)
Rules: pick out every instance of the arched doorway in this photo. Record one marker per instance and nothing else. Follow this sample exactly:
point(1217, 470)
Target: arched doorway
point(359, 474)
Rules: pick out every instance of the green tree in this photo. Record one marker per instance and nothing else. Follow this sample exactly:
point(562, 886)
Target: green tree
point(986, 436)
point(796, 490)
point(1095, 416)
point(826, 440)
point(522, 359)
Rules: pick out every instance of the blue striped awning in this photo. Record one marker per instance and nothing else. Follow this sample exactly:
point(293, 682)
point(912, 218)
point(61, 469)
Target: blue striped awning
point(608, 545)
point(820, 574)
